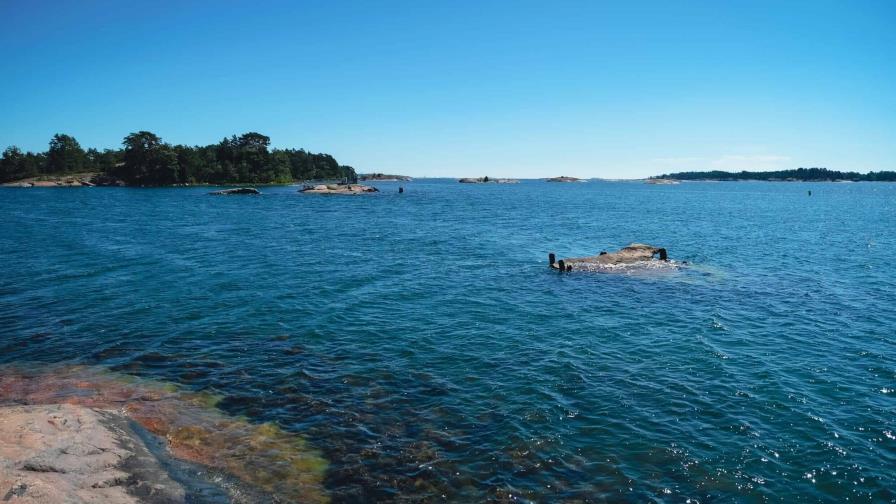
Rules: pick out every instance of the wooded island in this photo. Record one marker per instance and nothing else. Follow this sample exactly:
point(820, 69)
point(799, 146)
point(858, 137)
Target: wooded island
point(145, 160)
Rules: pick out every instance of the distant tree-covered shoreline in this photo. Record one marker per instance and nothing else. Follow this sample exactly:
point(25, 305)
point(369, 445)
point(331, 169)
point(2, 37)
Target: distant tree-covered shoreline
point(145, 160)
point(800, 174)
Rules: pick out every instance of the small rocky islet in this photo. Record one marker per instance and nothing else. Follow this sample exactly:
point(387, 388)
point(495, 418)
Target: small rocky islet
point(488, 180)
point(342, 189)
point(634, 255)
point(564, 178)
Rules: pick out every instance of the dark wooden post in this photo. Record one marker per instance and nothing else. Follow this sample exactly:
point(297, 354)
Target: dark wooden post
point(663, 256)
point(551, 259)
point(562, 266)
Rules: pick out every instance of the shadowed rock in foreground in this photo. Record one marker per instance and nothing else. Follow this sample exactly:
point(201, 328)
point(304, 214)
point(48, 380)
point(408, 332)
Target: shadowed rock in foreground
point(338, 189)
point(237, 190)
point(69, 453)
point(633, 254)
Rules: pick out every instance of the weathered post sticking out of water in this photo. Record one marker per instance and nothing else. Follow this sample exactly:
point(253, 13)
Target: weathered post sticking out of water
point(562, 266)
point(551, 259)
point(663, 256)
point(400, 189)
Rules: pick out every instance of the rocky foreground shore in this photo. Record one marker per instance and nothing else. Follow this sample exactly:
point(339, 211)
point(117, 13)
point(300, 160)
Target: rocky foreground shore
point(78, 434)
point(69, 453)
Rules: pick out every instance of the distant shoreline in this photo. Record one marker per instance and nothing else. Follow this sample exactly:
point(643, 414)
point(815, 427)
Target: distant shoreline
point(100, 180)
point(797, 175)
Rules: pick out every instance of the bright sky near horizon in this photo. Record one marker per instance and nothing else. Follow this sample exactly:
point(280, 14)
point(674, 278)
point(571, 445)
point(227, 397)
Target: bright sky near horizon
point(517, 88)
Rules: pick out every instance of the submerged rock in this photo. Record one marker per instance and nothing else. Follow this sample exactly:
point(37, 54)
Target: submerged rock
point(338, 189)
point(236, 190)
point(634, 254)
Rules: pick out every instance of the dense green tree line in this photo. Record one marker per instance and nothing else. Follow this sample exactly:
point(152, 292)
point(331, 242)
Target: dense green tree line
point(802, 174)
point(145, 159)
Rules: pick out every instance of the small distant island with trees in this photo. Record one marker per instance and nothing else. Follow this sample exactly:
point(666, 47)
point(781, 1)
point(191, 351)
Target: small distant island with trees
point(145, 160)
point(798, 175)
point(383, 177)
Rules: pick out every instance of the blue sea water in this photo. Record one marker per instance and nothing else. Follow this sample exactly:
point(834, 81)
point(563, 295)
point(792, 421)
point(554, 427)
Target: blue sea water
point(422, 344)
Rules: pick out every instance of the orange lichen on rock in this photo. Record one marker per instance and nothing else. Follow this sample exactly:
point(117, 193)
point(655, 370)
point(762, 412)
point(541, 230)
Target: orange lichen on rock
point(262, 455)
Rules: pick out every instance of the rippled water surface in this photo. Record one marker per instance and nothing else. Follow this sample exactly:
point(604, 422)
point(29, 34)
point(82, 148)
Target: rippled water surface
point(421, 345)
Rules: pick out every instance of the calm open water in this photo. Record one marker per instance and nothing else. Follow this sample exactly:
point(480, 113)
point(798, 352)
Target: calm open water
point(421, 343)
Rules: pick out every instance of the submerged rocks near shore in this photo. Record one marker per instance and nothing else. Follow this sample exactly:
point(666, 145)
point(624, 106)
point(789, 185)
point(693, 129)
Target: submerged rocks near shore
point(636, 254)
point(347, 189)
point(487, 180)
point(236, 190)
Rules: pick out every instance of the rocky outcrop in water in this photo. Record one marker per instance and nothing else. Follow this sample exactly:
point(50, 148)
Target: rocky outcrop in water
point(487, 180)
point(564, 178)
point(348, 189)
point(236, 190)
point(636, 253)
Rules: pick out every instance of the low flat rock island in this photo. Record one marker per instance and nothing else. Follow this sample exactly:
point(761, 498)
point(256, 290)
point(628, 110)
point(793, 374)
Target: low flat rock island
point(564, 178)
point(487, 180)
point(636, 253)
point(348, 189)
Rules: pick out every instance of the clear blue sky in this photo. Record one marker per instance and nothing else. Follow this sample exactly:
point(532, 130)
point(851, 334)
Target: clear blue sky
point(517, 88)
